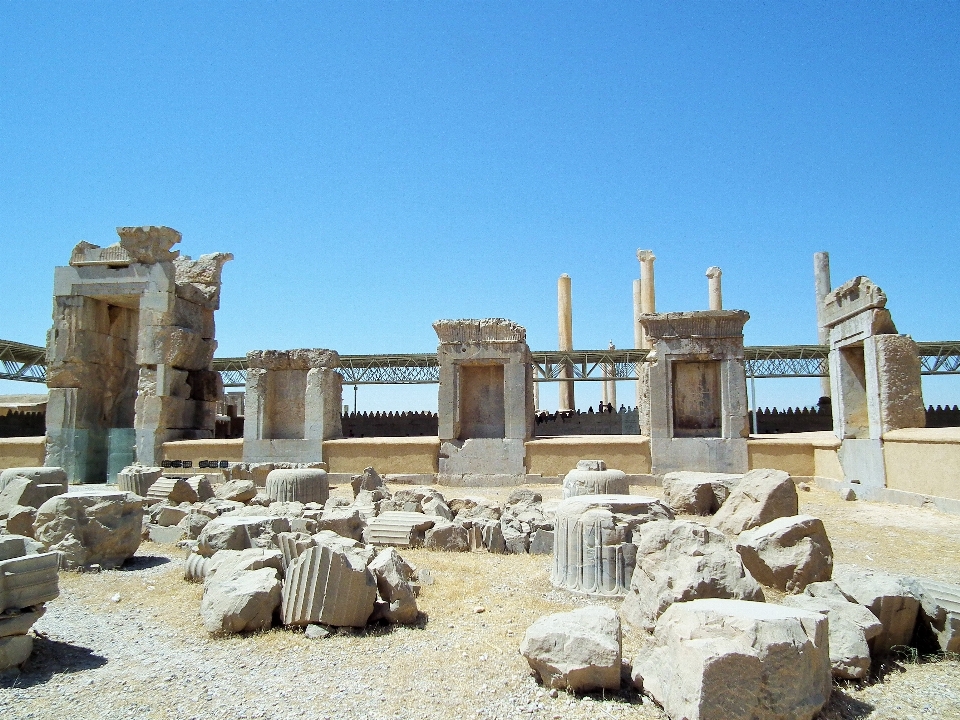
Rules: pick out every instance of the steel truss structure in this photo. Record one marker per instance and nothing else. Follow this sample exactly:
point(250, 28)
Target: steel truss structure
point(27, 363)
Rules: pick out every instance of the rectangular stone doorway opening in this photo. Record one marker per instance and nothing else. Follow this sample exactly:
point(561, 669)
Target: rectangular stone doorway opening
point(853, 390)
point(482, 412)
point(696, 399)
point(284, 412)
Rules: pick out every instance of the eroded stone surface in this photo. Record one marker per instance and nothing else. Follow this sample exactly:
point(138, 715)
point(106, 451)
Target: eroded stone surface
point(788, 553)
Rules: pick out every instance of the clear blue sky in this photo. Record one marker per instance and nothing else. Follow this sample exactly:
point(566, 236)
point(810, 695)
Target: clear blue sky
point(377, 166)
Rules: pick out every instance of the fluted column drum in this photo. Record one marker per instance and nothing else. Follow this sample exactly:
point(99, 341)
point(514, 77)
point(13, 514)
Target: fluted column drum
point(594, 549)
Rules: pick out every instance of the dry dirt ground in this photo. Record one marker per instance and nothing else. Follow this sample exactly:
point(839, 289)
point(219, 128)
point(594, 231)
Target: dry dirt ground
point(129, 643)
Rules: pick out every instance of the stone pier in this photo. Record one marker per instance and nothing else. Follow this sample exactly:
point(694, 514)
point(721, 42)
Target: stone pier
point(130, 353)
point(821, 276)
point(645, 290)
point(485, 401)
point(565, 326)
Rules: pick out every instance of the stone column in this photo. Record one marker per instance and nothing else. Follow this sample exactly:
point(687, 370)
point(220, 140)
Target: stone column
point(565, 322)
point(648, 303)
point(610, 384)
point(821, 276)
point(637, 310)
point(716, 297)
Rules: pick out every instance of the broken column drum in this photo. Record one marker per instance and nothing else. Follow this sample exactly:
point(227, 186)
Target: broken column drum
point(695, 413)
point(594, 549)
point(130, 353)
point(303, 485)
point(293, 402)
point(485, 401)
point(874, 378)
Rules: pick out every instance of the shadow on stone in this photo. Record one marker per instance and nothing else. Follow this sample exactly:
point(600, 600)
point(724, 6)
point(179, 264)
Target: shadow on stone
point(51, 658)
point(143, 562)
point(844, 707)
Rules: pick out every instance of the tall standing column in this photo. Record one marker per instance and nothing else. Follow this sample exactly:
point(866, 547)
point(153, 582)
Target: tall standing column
point(565, 325)
point(647, 305)
point(610, 383)
point(648, 302)
point(637, 310)
point(821, 275)
point(716, 296)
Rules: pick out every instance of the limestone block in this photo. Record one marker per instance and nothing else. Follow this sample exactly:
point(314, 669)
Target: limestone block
point(149, 244)
point(27, 492)
point(400, 529)
point(41, 475)
point(238, 490)
point(482, 461)
point(695, 493)
point(15, 650)
point(761, 496)
point(939, 623)
point(19, 623)
point(515, 541)
point(493, 539)
point(12, 546)
point(173, 490)
point(474, 507)
point(328, 586)
point(343, 521)
point(230, 562)
point(541, 542)
point(202, 487)
point(890, 597)
point(393, 577)
point(138, 478)
point(92, 527)
point(290, 508)
point(448, 536)
point(788, 553)
point(167, 515)
point(681, 561)
point(301, 484)
point(20, 520)
point(240, 602)
point(722, 659)
point(29, 580)
point(437, 508)
point(595, 540)
point(165, 535)
point(239, 533)
point(292, 545)
point(577, 650)
point(367, 480)
point(363, 554)
point(851, 626)
point(898, 374)
point(198, 281)
point(599, 481)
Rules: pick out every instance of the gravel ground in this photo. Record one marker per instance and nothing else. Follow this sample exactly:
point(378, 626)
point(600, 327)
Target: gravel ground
point(145, 654)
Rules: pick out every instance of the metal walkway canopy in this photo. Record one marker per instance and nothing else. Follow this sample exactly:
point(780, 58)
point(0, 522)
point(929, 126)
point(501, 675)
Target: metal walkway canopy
point(28, 363)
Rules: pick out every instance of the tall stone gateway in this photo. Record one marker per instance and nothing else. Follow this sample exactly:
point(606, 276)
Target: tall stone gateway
point(292, 405)
point(130, 353)
point(486, 401)
point(874, 377)
point(695, 412)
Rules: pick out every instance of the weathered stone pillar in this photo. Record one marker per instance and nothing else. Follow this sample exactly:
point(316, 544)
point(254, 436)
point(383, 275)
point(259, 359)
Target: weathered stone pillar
point(716, 297)
point(565, 323)
point(293, 404)
point(610, 383)
point(821, 276)
point(130, 353)
point(637, 312)
point(875, 376)
point(647, 306)
point(485, 401)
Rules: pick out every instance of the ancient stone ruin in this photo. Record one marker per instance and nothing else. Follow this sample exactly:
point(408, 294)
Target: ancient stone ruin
point(130, 353)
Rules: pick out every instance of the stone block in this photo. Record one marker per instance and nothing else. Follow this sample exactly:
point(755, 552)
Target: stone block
point(681, 561)
point(12, 546)
point(165, 535)
point(393, 576)
point(138, 478)
point(367, 480)
point(300, 485)
point(15, 650)
point(239, 490)
point(695, 493)
point(41, 475)
point(595, 540)
point(788, 553)
point(29, 580)
point(343, 521)
point(850, 627)
point(723, 659)
point(202, 487)
point(541, 542)
point(20, 520)
point(26, 492)
point(761, 496)
point(175, 490)
point(577, 650)
point(400, 529)
point(938, 626)
point(891, 598)
point(328, 586)
point(91, 527)
point(19, 623)
point(167, 515)
point(447, 536)
point(242, 601)
point(239, 533)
